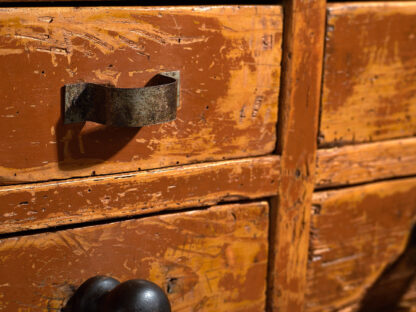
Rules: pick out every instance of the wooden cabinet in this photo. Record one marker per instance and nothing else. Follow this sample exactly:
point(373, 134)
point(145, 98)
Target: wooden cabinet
point(286, 183)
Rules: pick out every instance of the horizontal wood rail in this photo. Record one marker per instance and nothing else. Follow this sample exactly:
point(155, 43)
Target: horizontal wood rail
point(42, 205)
point(361, 163)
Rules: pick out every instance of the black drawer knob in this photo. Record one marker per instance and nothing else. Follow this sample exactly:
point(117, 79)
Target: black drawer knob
point(106, 294)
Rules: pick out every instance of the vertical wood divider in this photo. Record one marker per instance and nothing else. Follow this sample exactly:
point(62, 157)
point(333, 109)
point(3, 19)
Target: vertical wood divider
point(303, 48)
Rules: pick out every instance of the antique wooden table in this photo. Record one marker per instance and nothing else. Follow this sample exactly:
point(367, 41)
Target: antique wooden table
point(275, 171)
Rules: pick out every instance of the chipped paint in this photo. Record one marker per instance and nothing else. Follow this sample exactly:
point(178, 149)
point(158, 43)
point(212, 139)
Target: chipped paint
point(188, 254)
point(88, 199)
point(224, 55)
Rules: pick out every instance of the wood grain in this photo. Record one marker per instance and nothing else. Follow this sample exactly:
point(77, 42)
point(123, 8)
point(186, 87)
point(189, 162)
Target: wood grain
point(213, 260)
point(369, 87)
point(365, 162)
point(49, 204)
point(355, 234)
point(297, 137)
point(228, 56)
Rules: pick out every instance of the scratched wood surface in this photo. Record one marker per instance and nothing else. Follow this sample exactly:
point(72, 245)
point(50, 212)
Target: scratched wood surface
point(369, 87)
point(297, 137)
point(229, 58)
point(355, 234)
point(208, 260)
point(360, 163)
point(49, 204)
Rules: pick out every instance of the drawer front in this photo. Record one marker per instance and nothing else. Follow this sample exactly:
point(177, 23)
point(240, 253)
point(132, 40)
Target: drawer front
point(229, 63)
point(369, 87)
point(207, 260)
point(357, 237)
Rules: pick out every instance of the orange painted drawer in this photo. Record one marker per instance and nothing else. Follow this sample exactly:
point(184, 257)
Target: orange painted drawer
point(229, 62)
point(369, 82)
point(208, 260)
point(358, 256)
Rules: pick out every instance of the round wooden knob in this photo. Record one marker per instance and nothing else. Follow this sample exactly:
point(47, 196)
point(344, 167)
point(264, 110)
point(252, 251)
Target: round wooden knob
point(106, 294)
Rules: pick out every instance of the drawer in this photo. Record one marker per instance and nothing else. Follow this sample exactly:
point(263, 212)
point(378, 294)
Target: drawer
point(206, 260)
point(369, 75)
point(229, 63)
point(358, 239)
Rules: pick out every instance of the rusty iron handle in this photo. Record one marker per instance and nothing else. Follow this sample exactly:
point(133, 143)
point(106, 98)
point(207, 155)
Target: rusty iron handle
point(106, 294)
point(123, 107)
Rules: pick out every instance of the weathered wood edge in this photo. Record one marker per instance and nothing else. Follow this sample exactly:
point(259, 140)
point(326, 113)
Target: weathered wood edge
point(335, 8)
point(382, 188)
point(49, 204)
point(354, 164)
point(303, 42)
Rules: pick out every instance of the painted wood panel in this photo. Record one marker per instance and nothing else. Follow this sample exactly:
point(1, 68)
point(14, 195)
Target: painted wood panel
point(51, 204)
point(228, 56)
point(206, 260)
point(352, 164)
point(369, 86)
point(297, 142)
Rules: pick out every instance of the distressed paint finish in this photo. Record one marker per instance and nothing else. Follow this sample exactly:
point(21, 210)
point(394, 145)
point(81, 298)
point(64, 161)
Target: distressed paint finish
point(297, 136)
point(57, 203)
point(228, 56)
point(355, 233)
point(210, 260)
point(360, 163)
point(369, 88)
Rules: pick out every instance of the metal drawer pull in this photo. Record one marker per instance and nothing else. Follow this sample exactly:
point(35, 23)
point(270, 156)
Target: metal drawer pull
point(106, 294)
point(123, 107)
